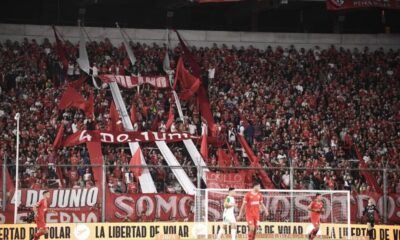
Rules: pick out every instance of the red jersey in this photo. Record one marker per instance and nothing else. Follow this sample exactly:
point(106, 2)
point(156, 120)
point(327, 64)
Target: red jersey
point(41, 213)
point(41, 208)
point(253, 201)
point(316, 206)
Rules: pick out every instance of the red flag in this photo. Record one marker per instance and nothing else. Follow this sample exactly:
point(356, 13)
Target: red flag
point(189, 83)
point(78, 83)
point(72, 99)
point(255, 162)
point(189, 57)
point(232, 155)
point(222, 157)
point(136, 162)
point(133, 113)
point(204, 146)
point(205, 106)
point(114, 118)
point(171, 117)
point(96, 158)
point(252, 157)
point(58, 140)
point(202, 97)
point(61, 51)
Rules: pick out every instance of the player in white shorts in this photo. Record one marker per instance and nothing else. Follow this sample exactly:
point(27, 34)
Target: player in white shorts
point(229, 215)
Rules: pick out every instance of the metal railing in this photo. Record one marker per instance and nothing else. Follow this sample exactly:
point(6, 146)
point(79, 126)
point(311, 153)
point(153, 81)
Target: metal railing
point(117, 185)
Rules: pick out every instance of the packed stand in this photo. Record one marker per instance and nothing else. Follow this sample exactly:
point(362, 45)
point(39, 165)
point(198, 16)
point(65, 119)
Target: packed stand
point(296, 107)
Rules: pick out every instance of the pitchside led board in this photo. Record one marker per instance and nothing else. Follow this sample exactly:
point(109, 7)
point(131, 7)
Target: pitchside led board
point(185, 230)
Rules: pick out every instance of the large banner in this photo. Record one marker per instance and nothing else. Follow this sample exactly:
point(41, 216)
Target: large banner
point(84, 205)
point(280, 207)
point(133, 81)
point(189, 230)
point(84, 136)
point(356, 4)
point(69, 205)
point(227, 180)
point(149, 207)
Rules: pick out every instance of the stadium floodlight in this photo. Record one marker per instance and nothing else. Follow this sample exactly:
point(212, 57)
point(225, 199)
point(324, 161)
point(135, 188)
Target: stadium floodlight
point(287, 208)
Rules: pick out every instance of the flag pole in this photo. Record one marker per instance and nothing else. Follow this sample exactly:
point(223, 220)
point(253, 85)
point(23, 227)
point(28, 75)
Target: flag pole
point(16, 199)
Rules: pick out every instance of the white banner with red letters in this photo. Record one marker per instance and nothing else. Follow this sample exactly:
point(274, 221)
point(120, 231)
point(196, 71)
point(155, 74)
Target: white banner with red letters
point(133, 81)
point(122, 137)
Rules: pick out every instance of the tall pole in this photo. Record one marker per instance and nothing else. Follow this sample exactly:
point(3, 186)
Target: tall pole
point(385, 195)
point(199, 175)
point(291, 191)
point(16, 199)
point(3, 204)
point(198, 199)
point(103, 192)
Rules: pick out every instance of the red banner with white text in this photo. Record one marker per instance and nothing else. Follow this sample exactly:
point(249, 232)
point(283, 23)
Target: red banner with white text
point(116, 137)
point(84, 205)
point(149, 207)
point(335, 5)
point(238, 180)
point(69, 205)
point(133, 81)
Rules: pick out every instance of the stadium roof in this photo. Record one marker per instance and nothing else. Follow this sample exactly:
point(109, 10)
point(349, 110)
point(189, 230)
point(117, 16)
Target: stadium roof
point(246, 15)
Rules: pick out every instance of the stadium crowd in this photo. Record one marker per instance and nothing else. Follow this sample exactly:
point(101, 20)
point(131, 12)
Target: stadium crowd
point(305, 108)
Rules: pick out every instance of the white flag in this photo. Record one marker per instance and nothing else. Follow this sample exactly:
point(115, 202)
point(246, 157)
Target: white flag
point(178, 105)
point(128, 49)
point(83, 60)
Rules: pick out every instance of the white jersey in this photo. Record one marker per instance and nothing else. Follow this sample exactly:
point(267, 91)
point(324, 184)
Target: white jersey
point(229, 214)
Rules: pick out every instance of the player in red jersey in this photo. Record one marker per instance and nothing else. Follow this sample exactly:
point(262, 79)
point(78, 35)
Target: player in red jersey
point(40, 210)
point(253, 200)
point(316, 207)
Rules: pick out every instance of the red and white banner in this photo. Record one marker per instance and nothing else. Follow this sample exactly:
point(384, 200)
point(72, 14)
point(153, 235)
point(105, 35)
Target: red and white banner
point(69, 205)
point(84, 205)
point(356, 4)
point(133, 81)
point(149, 207)
point(279, 207)
point(227, 180)
point(122, 137)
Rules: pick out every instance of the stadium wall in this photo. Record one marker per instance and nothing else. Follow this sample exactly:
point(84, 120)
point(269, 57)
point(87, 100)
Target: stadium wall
point(207, 38)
